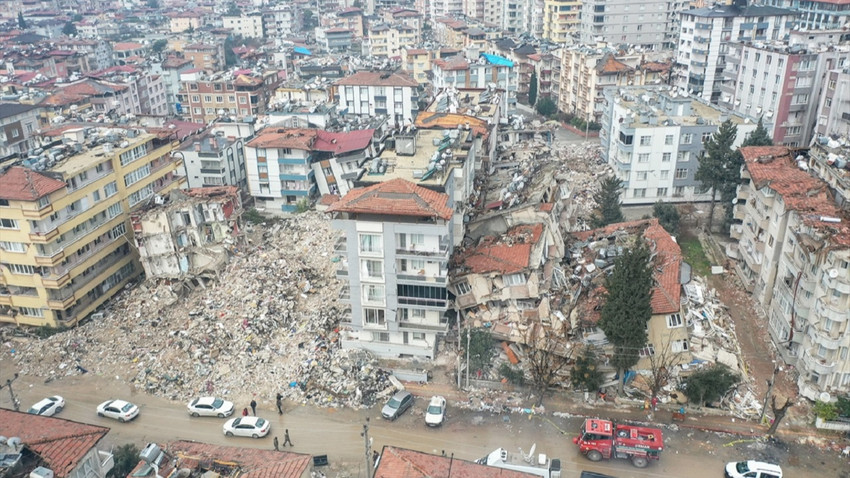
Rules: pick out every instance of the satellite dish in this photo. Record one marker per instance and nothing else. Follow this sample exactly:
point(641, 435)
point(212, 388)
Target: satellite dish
point(735, 201)
point(825, 397)
point(833, 273)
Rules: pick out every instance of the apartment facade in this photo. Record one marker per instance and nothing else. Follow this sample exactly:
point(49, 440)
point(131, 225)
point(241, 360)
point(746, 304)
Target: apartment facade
point(214, 159)
point(397, 240)
point(586, 72)
point(205, 98)
point(648, 24)
point(459, 72)
point(793, 255)
point(561, 19)
point(66, 244)
point(816, 14)
point(249, 26)
point(18, 123)
point(706, 33)
point(652, 137)
point(834, 105)
point(372, 93)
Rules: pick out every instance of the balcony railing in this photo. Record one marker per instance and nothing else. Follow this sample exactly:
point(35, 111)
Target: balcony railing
point(817, 364)
point(831, 341)
point(831, 310)
point(423, 302)
point(406, 324)
point(422, 278)
point(441, 251)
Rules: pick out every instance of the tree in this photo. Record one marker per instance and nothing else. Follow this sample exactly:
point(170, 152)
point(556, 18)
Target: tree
point(585, 373)
point(607, 203)
point(825, 410)
point(22, 23)
point(661, 364)
point(547, 355)
point(126, 458)
point(159, 45)
point(152, 4)
point(719, 165)
point(627, 308)
point(778, 414)
point(233, 10)
point(480, 343)
point(230, 58)
point(710, 384)
point(77, 18)
point(668, 216)
point(532, 89)
point(759, 136)
point(309, 20)
point(546, 107)
point(69, 29)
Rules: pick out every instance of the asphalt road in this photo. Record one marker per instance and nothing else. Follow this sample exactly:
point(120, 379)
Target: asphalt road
point(467, 434)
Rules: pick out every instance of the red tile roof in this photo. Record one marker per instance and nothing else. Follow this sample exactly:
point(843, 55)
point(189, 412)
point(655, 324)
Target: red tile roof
point(402, 463)
point(314, 140)
point(295, 138)
point(668, 263)
point(124, 46)
point(61, 443)
point(431, 119)
point(252, 462)
point(379, 78)
point(453, 63)
point(416, 51)
point(609, 65)
point(24, 184)
point(506, 254)
point(397, 197)
point(343, 142)
point(328, 199)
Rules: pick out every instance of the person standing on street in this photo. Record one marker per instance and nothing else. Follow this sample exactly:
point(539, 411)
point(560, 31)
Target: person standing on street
point(286, 438)
point(276, 447)
point(254, 407)
point(654, 404)
point(278, 401)
point(245, 412)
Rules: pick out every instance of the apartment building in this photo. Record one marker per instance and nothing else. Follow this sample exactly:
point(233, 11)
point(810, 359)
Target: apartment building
point(653, 136)
point(169, 71)
point(241, 94)
point(99, 52)
point(648, 24)
point(444, 9)
point(106, 97)
point(459, 72)
point(371, 93)
point(779, 84)
point(561, 19)
point(816, 14)
point(213, 159)
point(396, 243)
point(417, 62)
point(66, 244)
point(585, 72)
point(706, 33)
point(18, 123)
point(280, 21)
point(793, 256)
point(336, 39)
point(179, 22)
point(207, 57)
point(249, 26)
point(833, 115)
point(128, 53)
point(547, 66)
point(388, 41)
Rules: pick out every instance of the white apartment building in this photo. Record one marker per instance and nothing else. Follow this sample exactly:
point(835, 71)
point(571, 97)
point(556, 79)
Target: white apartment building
point(816, 14)
point(397, 240)
point(779, 84)
point(462, 73)
point(653, 136)
point(705, 35)
point(648, 24)
point(249, 26)
point(373, 93)
point(444, 8)
point(834, 106)
point(214, 159)
point(793, 255)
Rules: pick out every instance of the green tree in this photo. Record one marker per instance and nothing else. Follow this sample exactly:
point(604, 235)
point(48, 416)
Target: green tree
point(480, 350)
point(230, 58)
point(532, 89)
point(607, 203)
point(126, 458)
point(546, 107)
point(309, 20)
point(719, 165)
point(152, 4)
point(22, 23)
point(233, 10)
point(710, 384)
point(759, 136)
point(159, 45)
point(585, 373)
point(825, 410)
point(77, 18)
point(668, 216)
point(69, 29)
point(627, 306)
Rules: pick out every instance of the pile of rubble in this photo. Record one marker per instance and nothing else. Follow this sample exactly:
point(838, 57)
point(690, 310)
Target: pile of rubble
point(268, 325)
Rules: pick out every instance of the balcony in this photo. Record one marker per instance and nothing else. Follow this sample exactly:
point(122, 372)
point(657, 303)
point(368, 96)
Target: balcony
point(50, 261)
point(431, 327)
point(831, 341)
point(421, 278)
point(341, 247)
point(816, 364)
point(839, 283)
point(342, 270)
point(38, 214)
point(44, 237)
point(441, 304)
point(345, 294)
point(830, 309)
point(442, 251)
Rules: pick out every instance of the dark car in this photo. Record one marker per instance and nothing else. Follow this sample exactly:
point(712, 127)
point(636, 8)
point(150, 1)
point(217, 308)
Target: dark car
point(399, 402)
point(593, 474)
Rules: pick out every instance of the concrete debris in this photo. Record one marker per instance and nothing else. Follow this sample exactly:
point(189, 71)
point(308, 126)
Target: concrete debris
point(267, 325)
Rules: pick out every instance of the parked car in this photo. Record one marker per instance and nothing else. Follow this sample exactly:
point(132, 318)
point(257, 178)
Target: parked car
point(118, 409)
point(436, 411)
point(593, 474)
point(398, 403)
point(210, 407)
point(255, 427)
point(48, 407)
point(752, 469)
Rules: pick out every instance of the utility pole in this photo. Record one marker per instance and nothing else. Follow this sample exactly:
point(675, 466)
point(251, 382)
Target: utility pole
point(769, 391)
point(467, 356)
point(368, 442)
point(15, 402)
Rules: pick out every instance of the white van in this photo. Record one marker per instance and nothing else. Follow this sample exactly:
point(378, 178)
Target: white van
point(752, 469)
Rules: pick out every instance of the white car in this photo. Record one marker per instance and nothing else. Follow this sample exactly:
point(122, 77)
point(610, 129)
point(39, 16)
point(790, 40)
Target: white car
point(752, 469)
point(48, 407)
point(436, 411)
point(118, 409)
point(255, 427)
point(210, 407)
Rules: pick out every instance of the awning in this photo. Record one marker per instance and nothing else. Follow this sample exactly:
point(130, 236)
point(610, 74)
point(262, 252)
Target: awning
point(301, 50)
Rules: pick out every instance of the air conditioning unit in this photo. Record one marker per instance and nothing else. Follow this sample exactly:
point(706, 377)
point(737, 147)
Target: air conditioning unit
point(41, 472)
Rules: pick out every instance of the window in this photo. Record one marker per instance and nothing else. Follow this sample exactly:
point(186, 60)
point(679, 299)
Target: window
point(680, 345)
point(668, 140)
point(645, 140)
point(641, 175)
point(374, 317)
point(418, 335)
point(647, 351)
point(683, 156)
point(679, 191)
point(23, 269)
point(463, 288)
point(31, 312)
point(371, 244)
point(140, 195)
point(662, 192)
point(131, 155)
point(95, 195)
point(381, 336)
point(110, 189)
point(687, 138)
point(4, 203)
point(137, 175)
point(665, 174)
point(681, 173)
point(284, 151)
point(514, 279)
point(13, 246)
point(43, 202)
point(8, 223)
point(374, 293)
point(371, 269)
point(643, 157)
point(113, 210)
point(674, 320)
point(640, 193)
point(706, 136)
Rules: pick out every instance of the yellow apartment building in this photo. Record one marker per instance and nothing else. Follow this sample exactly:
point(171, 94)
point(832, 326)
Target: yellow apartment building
point(65, 239)
point(560, 19)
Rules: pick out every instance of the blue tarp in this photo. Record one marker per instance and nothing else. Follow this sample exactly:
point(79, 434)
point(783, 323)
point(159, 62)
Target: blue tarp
point(497, 60)
point(301, 50)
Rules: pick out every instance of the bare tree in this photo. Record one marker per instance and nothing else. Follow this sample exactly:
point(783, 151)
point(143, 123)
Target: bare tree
point(778, 413)
point(661, 364)
point(548, 354)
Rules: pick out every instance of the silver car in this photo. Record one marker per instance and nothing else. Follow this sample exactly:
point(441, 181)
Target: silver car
point(399, 402)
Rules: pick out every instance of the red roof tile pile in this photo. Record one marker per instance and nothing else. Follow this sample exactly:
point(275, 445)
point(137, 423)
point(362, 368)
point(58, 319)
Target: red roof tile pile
point(668, 263)
point(399, 462)
point(506, 254)
point(379, 78)
point(397, 197)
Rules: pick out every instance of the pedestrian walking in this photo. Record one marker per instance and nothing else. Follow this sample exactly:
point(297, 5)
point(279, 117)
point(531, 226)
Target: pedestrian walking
point(254, 407)
point(245, 412)
point(276, 447)
point(654, 404)
point(278, 401)
point(286, 438)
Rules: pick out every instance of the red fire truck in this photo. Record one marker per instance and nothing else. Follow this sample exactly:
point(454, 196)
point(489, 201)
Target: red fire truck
point(603, 439)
